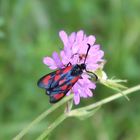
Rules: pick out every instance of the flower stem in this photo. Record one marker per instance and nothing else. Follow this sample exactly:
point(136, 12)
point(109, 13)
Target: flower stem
point(64, 116)
point(73, 113)
point(111, 98)
point(52, 126)
point(41, 117)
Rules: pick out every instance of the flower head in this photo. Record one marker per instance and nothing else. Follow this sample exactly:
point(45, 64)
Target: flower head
point(75, 48)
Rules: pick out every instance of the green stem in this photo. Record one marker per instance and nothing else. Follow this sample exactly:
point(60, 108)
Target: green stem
point(111, 98)
point(73, 113)
point(52, 126)
point(41, 117)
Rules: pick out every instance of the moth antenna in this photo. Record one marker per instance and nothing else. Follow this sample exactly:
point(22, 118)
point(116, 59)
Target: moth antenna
point(87, 52)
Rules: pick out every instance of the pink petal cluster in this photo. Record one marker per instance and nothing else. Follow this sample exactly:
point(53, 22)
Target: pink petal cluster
point(75, 48)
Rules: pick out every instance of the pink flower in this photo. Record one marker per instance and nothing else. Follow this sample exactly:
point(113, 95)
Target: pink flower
point(75, 48)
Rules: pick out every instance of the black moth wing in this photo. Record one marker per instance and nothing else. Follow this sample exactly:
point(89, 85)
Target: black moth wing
point(58, 83)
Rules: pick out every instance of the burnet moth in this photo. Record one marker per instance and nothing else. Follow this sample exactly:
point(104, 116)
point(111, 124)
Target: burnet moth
point(58, 83)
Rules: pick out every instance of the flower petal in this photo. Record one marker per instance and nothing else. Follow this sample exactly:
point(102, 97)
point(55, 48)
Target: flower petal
point(94, 49)
point(69, 92)
point(72, 37)
point(100, 54)
point(65, 58)
point(76, 94)
point(79, 36)
point(75, 48)
point(75, 59)
point(91, 39)
point(49, 62)
point(93, 67)
point(68, 51)
point(96, 57)
point(57, 60)
point(85, 75)
point(64, 37)
point(83, 48)
point(88, 92)
point(79, 88)
point(53, 67)
point(85, 82)
point(92, 85)
point(76, 98)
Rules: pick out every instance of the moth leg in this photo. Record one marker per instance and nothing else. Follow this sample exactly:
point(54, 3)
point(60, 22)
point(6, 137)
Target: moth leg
point(92, 74)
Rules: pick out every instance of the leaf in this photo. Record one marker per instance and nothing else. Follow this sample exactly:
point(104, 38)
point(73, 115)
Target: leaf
point(112, 83)
point(83, 114)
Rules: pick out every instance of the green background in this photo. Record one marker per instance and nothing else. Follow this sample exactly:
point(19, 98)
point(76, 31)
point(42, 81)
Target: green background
point(29, 31)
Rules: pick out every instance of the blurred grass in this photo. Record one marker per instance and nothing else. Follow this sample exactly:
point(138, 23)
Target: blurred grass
point(29, 31)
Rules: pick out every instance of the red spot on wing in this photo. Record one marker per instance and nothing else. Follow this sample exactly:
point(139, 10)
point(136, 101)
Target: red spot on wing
point(74, 80)
point(46, 79)
point(67, 69)
point(69, 87)
point(58, 71)
point(57, 77)
point(62, 81)
point(58, 96)
point(64, 87)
